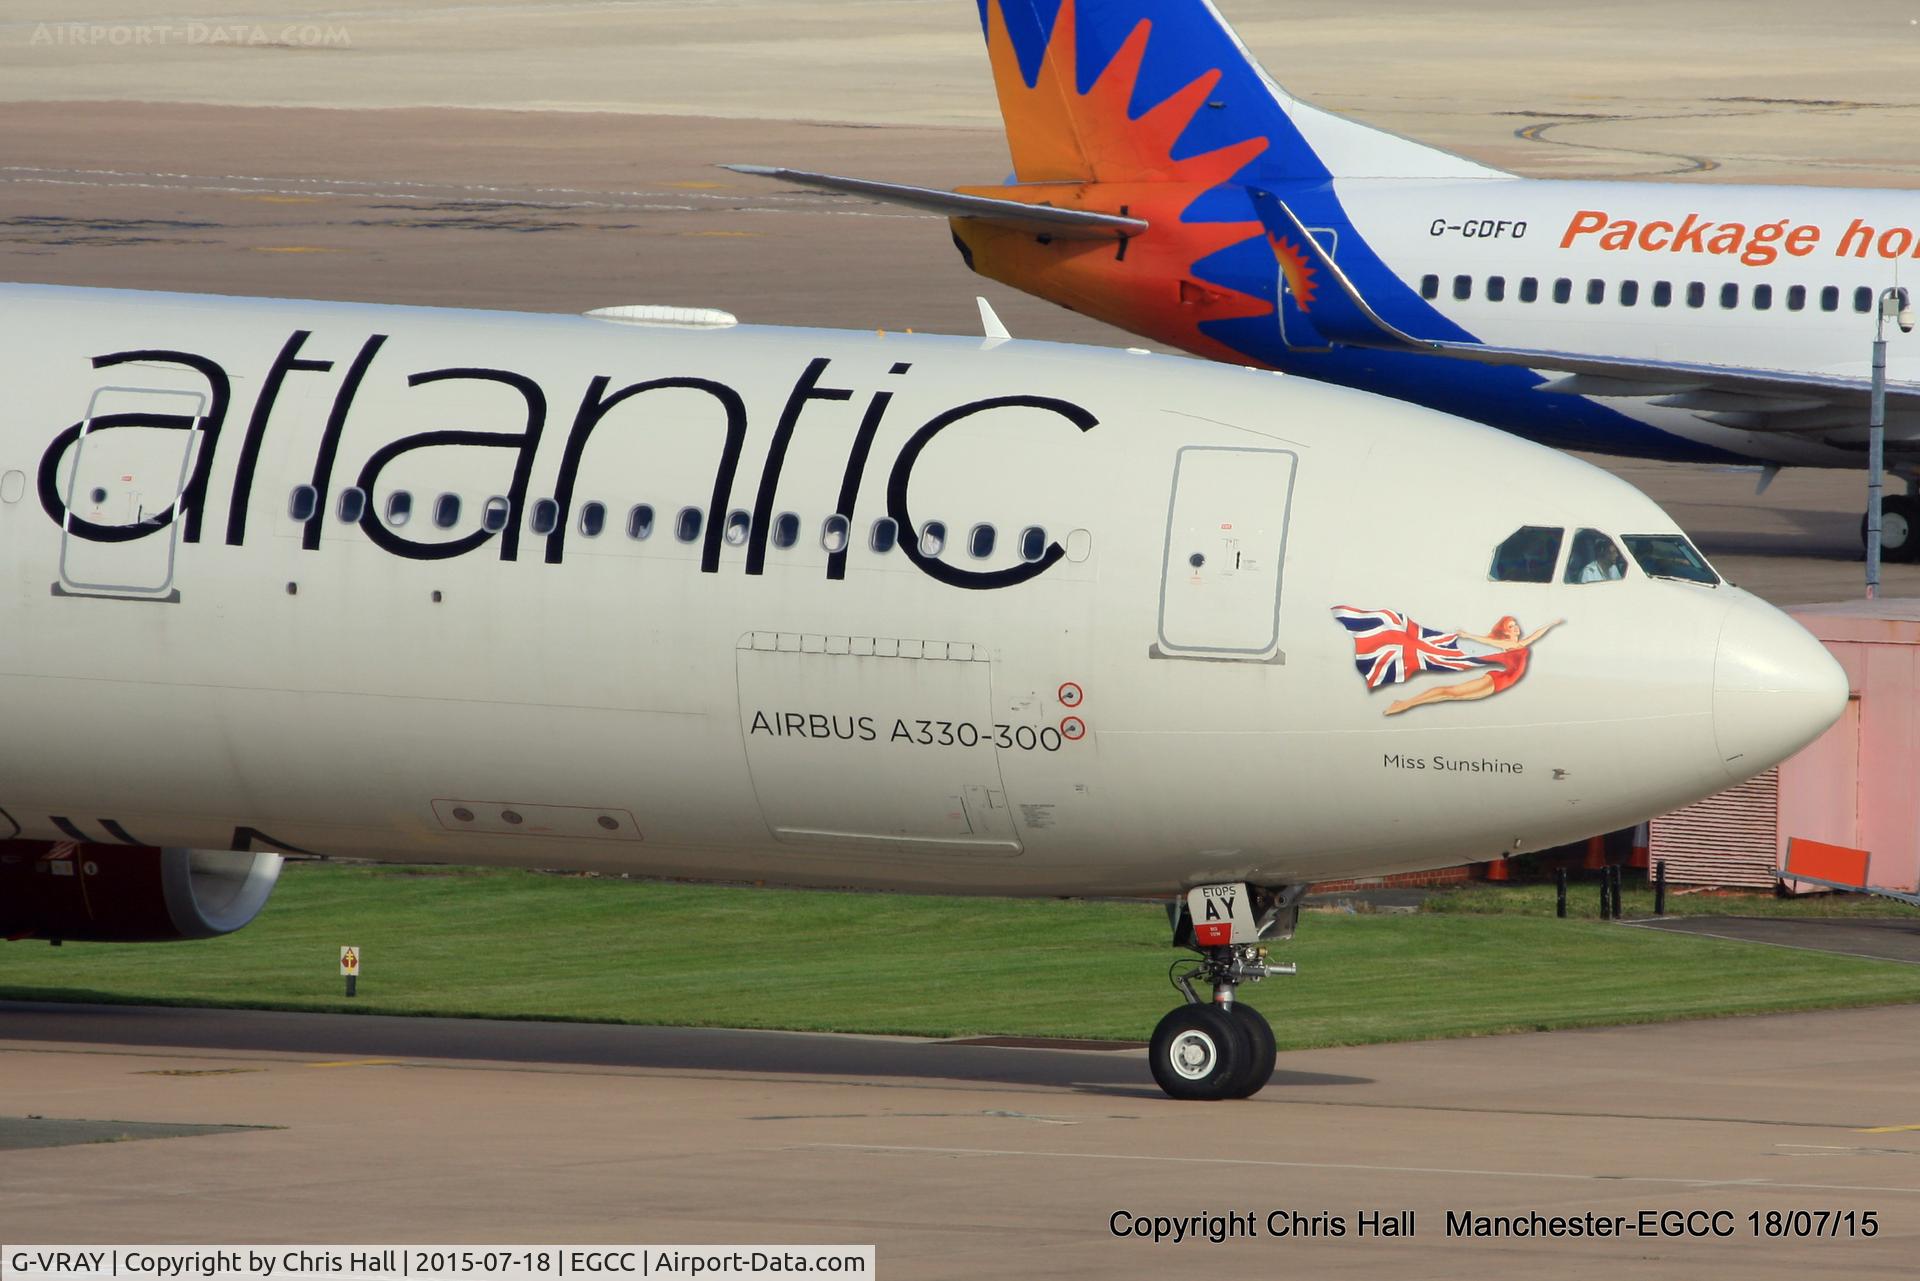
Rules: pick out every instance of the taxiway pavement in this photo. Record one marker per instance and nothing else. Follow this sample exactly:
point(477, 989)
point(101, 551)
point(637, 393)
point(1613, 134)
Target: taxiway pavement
point(966, 1161)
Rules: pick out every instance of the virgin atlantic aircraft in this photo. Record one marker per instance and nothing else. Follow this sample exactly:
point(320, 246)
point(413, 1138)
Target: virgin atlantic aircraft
point(654, 593)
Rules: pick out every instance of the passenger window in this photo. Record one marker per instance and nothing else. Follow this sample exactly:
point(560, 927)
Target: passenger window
point(933, 538)
point(1629, 292)
point(786, 529)
point(1830, 298)
point(593, 519)
point(1696, 294)
point(1670, 556)
point(1863, 299)
point(446, 511)
point(1496, 288)
point(546, 516)
point(1527, 555)
point(1594, 559)
point(1429, 287)
point(1663, 293)
point(1763, 297)
point(1463, 287)
point(305, 501)
point(1033, 543)
point(494, 516)
point(1563, 290)
point(1729, 296)
point(1596, 291)
point(686, 526)
point(353, 505)
point(883, 535)
point(399, 507)
point(640, 521)
point(1529, 289)
point(1796, 298)
point(739, 525)
point(980, 542)
point(833, 533)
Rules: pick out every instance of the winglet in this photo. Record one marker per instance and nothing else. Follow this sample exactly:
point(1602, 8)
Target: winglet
point(990, 324)
point(1325, 293)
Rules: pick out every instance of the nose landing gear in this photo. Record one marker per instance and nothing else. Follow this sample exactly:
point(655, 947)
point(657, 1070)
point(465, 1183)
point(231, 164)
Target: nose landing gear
point(1222, 1049)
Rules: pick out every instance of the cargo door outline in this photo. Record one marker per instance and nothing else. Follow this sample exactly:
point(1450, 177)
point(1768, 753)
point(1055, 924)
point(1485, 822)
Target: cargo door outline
point(140, 565)
point(1238, 618)
point(822, 736)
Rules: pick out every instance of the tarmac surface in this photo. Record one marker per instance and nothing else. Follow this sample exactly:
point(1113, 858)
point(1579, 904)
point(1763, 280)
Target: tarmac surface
point(1889, 939)
point(969, 1161)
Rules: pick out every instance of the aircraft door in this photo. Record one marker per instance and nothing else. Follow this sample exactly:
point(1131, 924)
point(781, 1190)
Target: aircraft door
point(1225, 548)
point(869, 741)
point(1294, 314)
point(124, 484)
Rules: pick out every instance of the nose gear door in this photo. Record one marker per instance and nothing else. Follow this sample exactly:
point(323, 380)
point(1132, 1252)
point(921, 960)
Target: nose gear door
point(1225, 548)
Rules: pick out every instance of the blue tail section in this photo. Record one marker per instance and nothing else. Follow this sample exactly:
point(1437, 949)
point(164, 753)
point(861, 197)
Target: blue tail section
point(1187, 41)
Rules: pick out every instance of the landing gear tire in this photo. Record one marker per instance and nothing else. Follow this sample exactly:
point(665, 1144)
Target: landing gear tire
point(1261, 1052)
point(1201, 1052)
point(1220, 1048)
point(1899, 528)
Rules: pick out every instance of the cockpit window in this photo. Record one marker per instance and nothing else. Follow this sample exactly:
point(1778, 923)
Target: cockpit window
point(1670, 556)
point(1594, 559)
point(1527, 555)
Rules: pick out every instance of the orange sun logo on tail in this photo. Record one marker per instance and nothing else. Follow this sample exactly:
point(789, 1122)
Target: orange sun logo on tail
point(1058, 134)
point(1302, 275)
point(1086, 151)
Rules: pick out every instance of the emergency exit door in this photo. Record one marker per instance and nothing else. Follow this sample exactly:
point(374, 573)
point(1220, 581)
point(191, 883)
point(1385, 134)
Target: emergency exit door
point(1226, 545)
point(126, 481)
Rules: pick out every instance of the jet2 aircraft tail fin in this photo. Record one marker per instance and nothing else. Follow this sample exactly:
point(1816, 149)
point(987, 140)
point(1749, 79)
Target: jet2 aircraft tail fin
point(1115, 90)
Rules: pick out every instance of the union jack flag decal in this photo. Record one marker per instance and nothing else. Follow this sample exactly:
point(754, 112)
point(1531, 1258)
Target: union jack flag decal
point(1389, 647)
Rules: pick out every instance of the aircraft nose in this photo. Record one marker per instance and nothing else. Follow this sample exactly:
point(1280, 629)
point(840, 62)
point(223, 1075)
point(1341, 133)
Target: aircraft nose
point(1775, 689)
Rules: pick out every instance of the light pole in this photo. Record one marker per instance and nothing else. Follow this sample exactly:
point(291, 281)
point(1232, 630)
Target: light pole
point(1893, 305)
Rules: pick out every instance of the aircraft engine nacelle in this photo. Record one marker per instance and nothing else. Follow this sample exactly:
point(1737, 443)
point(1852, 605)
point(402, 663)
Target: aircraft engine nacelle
point(129, 893)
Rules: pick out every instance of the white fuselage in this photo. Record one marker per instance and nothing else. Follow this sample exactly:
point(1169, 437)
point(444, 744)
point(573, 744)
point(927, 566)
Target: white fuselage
point(1753, 277)
point(1084, 709)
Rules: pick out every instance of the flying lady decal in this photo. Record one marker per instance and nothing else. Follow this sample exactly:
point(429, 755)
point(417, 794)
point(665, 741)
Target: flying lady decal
point(1390, 648)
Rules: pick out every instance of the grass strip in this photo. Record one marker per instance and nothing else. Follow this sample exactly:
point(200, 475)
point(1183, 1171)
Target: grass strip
point(520, 945)
point(1583, 901)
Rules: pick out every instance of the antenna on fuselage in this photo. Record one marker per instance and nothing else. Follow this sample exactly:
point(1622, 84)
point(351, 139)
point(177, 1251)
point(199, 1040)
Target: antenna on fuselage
point(990, 324)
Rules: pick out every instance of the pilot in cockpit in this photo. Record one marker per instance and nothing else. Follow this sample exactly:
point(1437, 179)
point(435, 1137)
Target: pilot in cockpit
point(1596, 557)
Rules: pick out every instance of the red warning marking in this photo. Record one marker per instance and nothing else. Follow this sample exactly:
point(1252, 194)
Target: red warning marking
point(1213, 933)
point(1073, 729)
point(1071, 695)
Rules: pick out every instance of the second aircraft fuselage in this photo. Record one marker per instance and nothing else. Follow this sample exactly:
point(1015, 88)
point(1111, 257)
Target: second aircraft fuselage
point(1782, 278)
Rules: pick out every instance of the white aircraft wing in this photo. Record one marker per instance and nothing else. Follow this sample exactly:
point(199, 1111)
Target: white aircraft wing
point(1048, 220)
